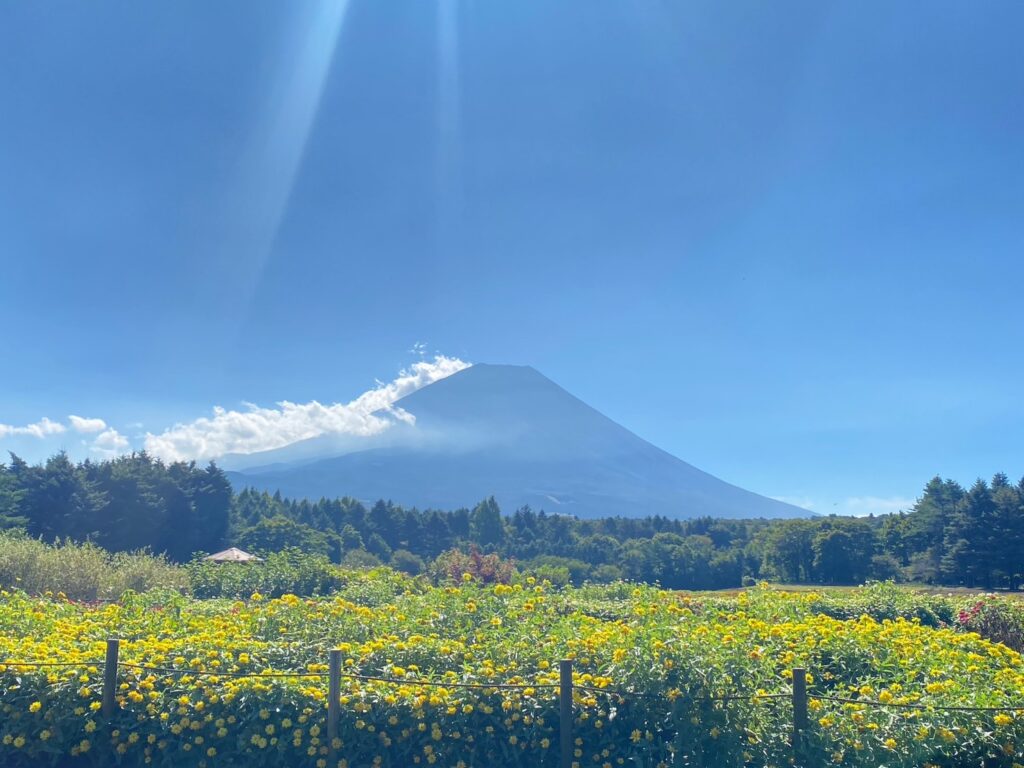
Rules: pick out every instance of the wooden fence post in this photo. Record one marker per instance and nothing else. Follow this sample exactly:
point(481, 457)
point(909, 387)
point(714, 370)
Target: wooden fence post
point(799, 711)
point(110, 678)
point(565, 711)
point(333, 697)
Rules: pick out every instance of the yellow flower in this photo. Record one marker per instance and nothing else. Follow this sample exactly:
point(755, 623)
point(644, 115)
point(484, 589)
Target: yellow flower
point(35, 706)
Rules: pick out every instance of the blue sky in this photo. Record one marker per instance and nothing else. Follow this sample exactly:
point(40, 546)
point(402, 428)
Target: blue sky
point(781, 240)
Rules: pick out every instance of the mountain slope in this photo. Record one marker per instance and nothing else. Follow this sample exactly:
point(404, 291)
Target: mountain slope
point(510, 432)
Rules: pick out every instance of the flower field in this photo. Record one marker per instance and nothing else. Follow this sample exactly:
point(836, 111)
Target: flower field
point(662, 679)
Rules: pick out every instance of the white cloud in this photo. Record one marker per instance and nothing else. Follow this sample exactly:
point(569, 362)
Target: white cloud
point(862, 506)
point(110, 443)
point(42, 428)
point(261, 429)
point(856, 506)
point(84, 425)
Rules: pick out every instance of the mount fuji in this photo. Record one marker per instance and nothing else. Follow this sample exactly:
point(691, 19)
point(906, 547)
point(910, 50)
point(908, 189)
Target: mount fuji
point(504, 431)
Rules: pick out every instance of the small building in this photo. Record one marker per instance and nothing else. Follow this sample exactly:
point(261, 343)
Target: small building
point(233, 555)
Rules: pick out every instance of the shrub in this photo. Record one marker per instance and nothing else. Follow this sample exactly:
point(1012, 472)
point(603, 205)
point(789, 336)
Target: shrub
point(81, 571)
point(884, 600)
point(288, 572)
point(995, 618)
point(606, 574)
point(405, 561)
point(454, 564)
point(278, 533)
point(360, 558)
point(577, 570)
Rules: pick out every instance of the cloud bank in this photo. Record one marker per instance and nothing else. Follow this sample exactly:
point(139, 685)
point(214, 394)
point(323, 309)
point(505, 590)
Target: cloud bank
point(856, 506)
point(110, 443)
point(42, 428)
point(86, 426)
point(261, 429)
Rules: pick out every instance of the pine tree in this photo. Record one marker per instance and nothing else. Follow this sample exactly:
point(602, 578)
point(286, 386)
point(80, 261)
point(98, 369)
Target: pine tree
point(970, 539)
point(486, 526)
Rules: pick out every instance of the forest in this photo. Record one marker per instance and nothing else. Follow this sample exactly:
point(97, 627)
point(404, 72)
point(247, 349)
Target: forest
point(952, 535)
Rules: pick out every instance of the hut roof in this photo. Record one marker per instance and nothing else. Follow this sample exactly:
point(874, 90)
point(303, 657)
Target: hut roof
point(233, 555)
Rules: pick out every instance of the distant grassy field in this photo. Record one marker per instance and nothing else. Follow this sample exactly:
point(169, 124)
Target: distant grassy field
point(925, 589)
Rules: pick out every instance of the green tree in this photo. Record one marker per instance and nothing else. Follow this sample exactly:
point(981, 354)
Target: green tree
point(276, 534)
point(405, 561)
point(58, 498)
point(486, 526)
point(843, 550)
point(1008, 531)
point(926, 528)
point(970, 539)
point(788, 550)
point(10, 501)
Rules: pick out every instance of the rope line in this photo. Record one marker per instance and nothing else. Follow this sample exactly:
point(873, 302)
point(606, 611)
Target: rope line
point(343, 676)
point(438, 684)
point(381, 679)
point(753, 697)
point(641, 695)
point(208, 673)
point(511, 686)
point(933, 707)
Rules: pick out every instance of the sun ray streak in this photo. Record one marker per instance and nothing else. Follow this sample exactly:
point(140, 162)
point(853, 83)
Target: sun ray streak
point(448, 177)
point(272, 159)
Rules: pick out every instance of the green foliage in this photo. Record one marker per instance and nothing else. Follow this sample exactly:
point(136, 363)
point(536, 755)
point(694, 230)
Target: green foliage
point(457, 566)
point(558, 570)
point(405, 561)
point(81, 571)
point(662, 679)
point(996, 619)
point(950, 536)
point(291, 571)
point(360, 558)
point(486, 526)
point(128, 503)
point(886, 601)
point(274, 534)
point(10, 499)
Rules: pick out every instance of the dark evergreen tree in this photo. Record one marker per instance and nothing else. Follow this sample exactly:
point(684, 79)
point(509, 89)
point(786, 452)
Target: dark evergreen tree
point(970, 539)
point(486, 525)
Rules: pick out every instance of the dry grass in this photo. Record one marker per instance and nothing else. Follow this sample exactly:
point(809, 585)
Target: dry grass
point(82, 571)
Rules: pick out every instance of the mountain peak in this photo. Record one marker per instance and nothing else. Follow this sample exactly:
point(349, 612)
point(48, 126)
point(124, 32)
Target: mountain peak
point(492, 374)
point(511, 432)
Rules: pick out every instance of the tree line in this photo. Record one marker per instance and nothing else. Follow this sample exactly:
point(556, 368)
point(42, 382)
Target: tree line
point(952, 535)
point(124, 504)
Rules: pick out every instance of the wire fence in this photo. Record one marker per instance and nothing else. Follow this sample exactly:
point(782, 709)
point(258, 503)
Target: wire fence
point(909, 705)
point(799, 695)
